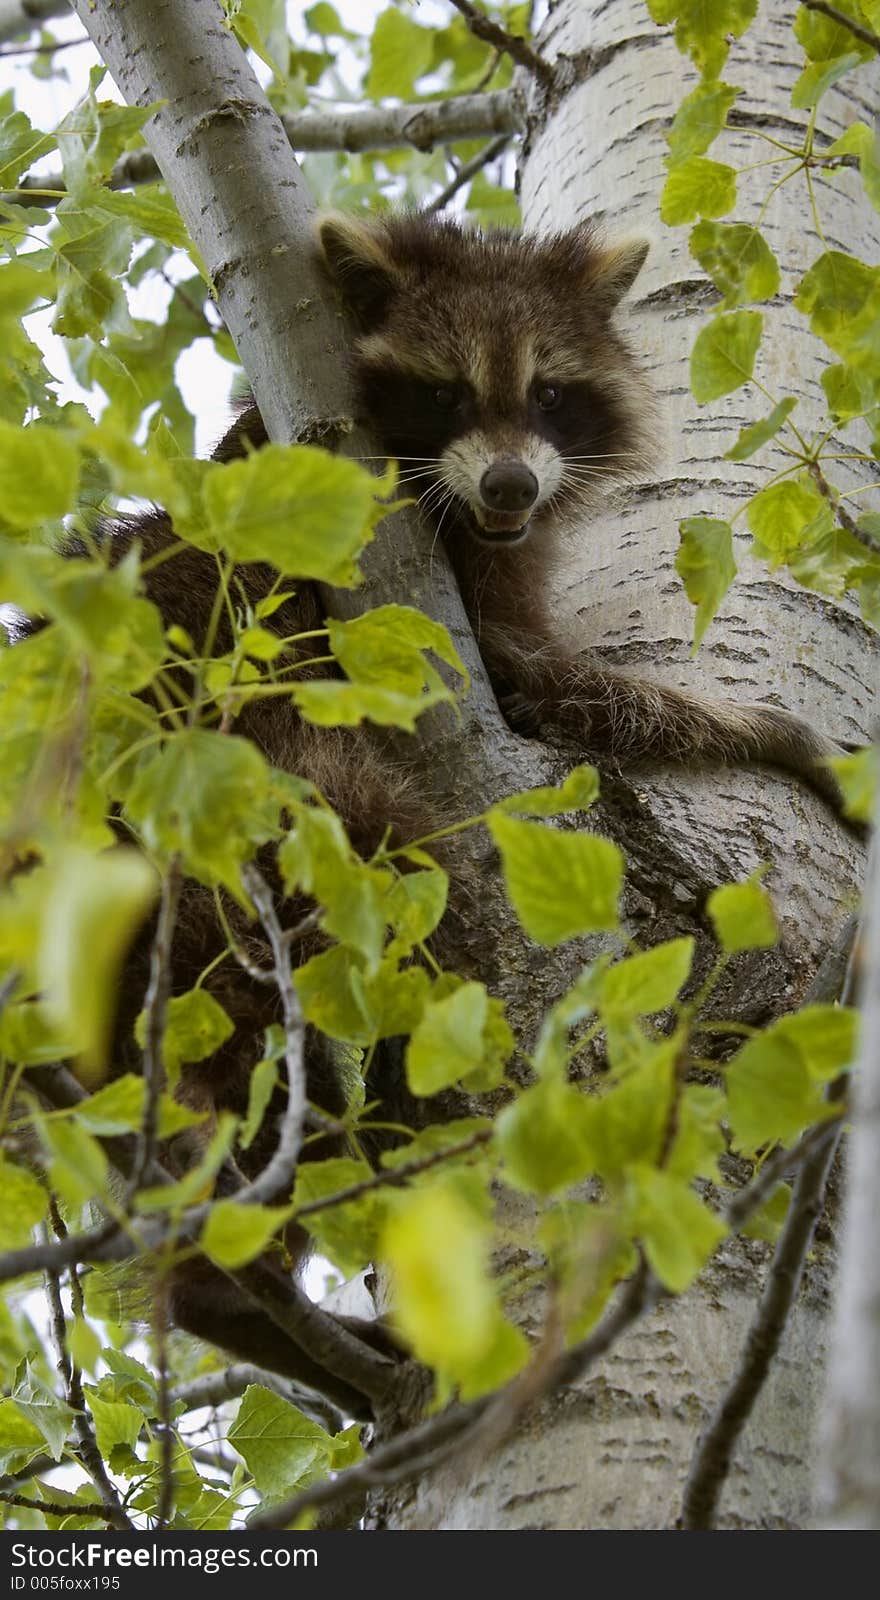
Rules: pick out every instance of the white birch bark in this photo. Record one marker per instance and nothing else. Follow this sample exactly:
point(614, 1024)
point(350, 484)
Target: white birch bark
point(612, 1451)
point(849, 1476)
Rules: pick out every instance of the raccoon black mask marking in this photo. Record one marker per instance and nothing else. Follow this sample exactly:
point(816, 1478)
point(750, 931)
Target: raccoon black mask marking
point(491, 367)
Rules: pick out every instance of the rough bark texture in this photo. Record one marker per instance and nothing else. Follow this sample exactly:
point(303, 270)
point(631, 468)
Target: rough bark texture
point(849, 1479)
point(612, 1452)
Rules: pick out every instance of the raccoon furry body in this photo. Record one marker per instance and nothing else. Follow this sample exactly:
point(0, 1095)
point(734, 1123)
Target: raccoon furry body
point(490, 367)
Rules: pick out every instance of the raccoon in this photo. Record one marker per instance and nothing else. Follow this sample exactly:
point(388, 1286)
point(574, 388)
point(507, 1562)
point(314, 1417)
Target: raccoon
point(490, 367)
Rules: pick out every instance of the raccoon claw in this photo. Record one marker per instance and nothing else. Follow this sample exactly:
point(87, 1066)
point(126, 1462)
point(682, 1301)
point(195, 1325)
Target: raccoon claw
point(521, 714)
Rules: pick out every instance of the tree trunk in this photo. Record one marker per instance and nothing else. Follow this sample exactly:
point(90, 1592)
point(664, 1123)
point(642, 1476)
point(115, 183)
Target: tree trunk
point(612, 1451)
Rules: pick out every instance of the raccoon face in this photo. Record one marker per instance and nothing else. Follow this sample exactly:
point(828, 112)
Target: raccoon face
point(491, 368)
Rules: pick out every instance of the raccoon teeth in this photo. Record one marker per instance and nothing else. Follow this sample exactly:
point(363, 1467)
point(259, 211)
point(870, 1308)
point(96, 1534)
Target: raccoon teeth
point(500, 522)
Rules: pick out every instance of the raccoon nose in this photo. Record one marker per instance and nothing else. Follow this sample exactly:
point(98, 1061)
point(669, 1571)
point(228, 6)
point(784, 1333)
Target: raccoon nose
point(508, 486)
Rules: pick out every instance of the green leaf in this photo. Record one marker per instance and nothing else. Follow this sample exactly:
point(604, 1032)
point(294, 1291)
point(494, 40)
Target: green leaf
point(20, 145)
point(767, 1223)
point(39, 473)
point(454, 1038)
point(116, 1424)
point(695, 188)
point(348, 1233)
point(702, 28)
point(20, 1439)
point(400, 52)
point(724, 353)
point(825, 1035)
point(677, 1231)
point(786, 515)
point(860, 140)
point(348, 1004)
point(42, 1407)
point(559, 884)
point(307, 512)
point(346, 705)
point(640, 985)
point(545, 1137)
point(743, 917)
point(23, 1203)
point(318, 859)
point(199, 1180)
point(578, 792)
point(857, 775)
point(757, 434)
point(78, 1168)
point(705, 563)
point(438, 1250)
point(738, 259)
point(823, 37)
point(386, 646)
point(196, 1025)
point(94, 908)
point(261, 1087)
point(207, 796)
point(698, 1140)
point(416, 904)
point(699, 120)
point(820, 76)
point(841, 297)
point(234, 1234)
point(280, 1446)
point(771, 1093)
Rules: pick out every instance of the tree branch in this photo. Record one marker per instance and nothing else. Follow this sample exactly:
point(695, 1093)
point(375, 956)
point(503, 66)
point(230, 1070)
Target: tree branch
point(421, 127)
point(509, 44)
point(855, 28)
point(56, 1508)
point(23, 16)
point(712, 1458)
point(843, 516)
point(156, 1007)
point(277, 1175)
point(468, 170)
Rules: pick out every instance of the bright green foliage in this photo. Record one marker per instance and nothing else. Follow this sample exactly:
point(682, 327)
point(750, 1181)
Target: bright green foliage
point(699, 120)
point(760, 433)
point(742, 916)
point(92, 911)
point(775, 1084)
point(234, 1234)
point(647, 982)
point(298, 507)
point(702, 30)
point(787, 516)
point(559, 884)
point(739, 261)
point(697, 187)
point(706, 565)
point(446, 1305)
point(459, 1037)
point(348, 1233)
point(857, 776)
point(578, 792)
point(724, 353)
point(283, 1448)
point(208, 798)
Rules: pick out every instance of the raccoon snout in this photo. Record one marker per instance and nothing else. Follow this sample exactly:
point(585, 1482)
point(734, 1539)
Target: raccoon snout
point(508, 486)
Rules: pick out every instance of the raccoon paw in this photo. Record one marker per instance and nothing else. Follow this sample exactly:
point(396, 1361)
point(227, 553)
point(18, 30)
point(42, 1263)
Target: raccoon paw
point(522, 714)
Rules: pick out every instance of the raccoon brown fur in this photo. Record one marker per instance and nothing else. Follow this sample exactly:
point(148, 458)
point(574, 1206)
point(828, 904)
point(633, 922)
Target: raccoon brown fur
point(489, 365)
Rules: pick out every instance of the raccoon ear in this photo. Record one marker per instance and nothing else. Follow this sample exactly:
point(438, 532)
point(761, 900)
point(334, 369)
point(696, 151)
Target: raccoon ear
point(615, 269)
point(357, 252)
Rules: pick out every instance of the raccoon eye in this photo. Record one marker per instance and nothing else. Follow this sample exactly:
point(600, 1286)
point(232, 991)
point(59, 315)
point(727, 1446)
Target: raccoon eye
point(445, 397)
point(548, 396)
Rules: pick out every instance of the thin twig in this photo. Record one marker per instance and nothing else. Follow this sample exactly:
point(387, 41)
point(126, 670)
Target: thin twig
point(156, 1008)
point(422, 126)
point(855, 28)
point(510, 44)
point(843, 516)
point(468, 170)
point(89, 1453)
point(712, 1458)
point(277, 1175)
point(50, 49)
point(55, 1508)
point(214, 1388)
point(393, 1177)
point(164, 1427)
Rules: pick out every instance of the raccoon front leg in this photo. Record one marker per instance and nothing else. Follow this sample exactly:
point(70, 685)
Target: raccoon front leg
point(542, 689)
